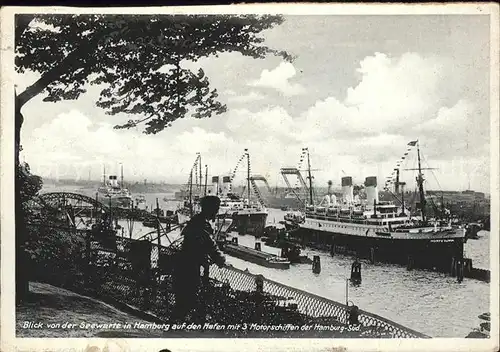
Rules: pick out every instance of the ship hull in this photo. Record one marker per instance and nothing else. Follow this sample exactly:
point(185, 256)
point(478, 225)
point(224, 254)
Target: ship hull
point(435, 251)
point(256, 257)
point(116, 202)
point(249, 223)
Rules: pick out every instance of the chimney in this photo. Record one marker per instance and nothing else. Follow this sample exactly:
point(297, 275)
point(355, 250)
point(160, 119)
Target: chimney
point(215, 185)
point(347, 189)
point(371, 190)
point(333, 199)
point(327, 199)
point(226, 185)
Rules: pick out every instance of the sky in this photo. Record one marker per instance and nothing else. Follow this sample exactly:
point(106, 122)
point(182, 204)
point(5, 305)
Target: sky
point(360, 89)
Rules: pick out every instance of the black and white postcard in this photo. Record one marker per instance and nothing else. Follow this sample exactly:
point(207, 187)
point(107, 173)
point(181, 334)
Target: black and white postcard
point(250, 177)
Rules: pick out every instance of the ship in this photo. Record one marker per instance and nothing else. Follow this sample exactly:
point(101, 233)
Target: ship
point(140, 199)
point(113, 193)
point(279, 237)
point(382, 230)
point(253, 255)
point(248, 217)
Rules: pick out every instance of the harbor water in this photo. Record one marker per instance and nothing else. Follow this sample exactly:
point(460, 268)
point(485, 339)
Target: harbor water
point(432, 303)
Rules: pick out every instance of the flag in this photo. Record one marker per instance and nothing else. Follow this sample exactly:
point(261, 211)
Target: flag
point(412, 143)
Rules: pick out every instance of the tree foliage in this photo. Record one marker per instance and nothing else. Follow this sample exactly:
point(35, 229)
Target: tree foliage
point(29, 185)
point(136, 59)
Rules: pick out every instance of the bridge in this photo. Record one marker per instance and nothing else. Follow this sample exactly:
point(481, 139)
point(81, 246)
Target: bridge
point(76, 208)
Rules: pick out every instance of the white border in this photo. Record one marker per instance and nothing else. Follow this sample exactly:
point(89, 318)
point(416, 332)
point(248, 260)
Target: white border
point(9, 342)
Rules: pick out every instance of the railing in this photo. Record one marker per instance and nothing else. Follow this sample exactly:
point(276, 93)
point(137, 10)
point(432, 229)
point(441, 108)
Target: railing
point(139, 273)
point(309, 303)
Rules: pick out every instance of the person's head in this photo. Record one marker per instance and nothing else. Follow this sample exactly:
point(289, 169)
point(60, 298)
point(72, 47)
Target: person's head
point(210, 206)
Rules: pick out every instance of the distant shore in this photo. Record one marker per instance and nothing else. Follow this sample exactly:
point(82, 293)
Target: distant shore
point(132, 187)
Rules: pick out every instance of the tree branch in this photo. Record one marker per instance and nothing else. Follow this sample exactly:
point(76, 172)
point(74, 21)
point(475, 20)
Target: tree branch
point(64, 66)
point(134, 123)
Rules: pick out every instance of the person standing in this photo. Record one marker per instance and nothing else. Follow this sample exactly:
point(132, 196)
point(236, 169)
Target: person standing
point(198, 250)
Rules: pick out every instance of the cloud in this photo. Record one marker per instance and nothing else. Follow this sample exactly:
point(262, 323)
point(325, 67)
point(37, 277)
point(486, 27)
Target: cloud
point(252, 96)
point(272, 121)
point(70, 145)
point(364, 133)
point(461, 124)
point(399, 91)
point(278, 79)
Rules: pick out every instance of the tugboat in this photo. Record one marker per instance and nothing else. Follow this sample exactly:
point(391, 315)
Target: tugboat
point(290, 248)
point(140, 199)
point(472, 230)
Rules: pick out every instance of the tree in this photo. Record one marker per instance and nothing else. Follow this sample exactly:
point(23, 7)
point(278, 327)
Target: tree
point(124, 55)
point(136, 60)
point(26, 186)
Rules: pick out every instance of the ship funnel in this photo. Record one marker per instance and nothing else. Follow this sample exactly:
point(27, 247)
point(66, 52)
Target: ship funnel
point(226, 184)
point(215, 185)
point(347, 189)
point(113, 181)
point(333, 199)
point(330, 198)
point(326, 200)
point(371, 190)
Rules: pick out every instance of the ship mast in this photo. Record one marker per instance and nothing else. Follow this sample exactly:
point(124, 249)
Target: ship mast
point(309, 177)
point(191, 194)
point(206, 176)
point(201, 176)
point(420, 182)
point(121, 174)
point(104, 175)
point(396, 185)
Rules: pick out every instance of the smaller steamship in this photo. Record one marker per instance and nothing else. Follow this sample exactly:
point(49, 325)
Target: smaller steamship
point(114, 193)
point(248, 215)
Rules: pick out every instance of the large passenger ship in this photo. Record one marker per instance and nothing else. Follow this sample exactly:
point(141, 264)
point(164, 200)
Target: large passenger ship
point(383, 230)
